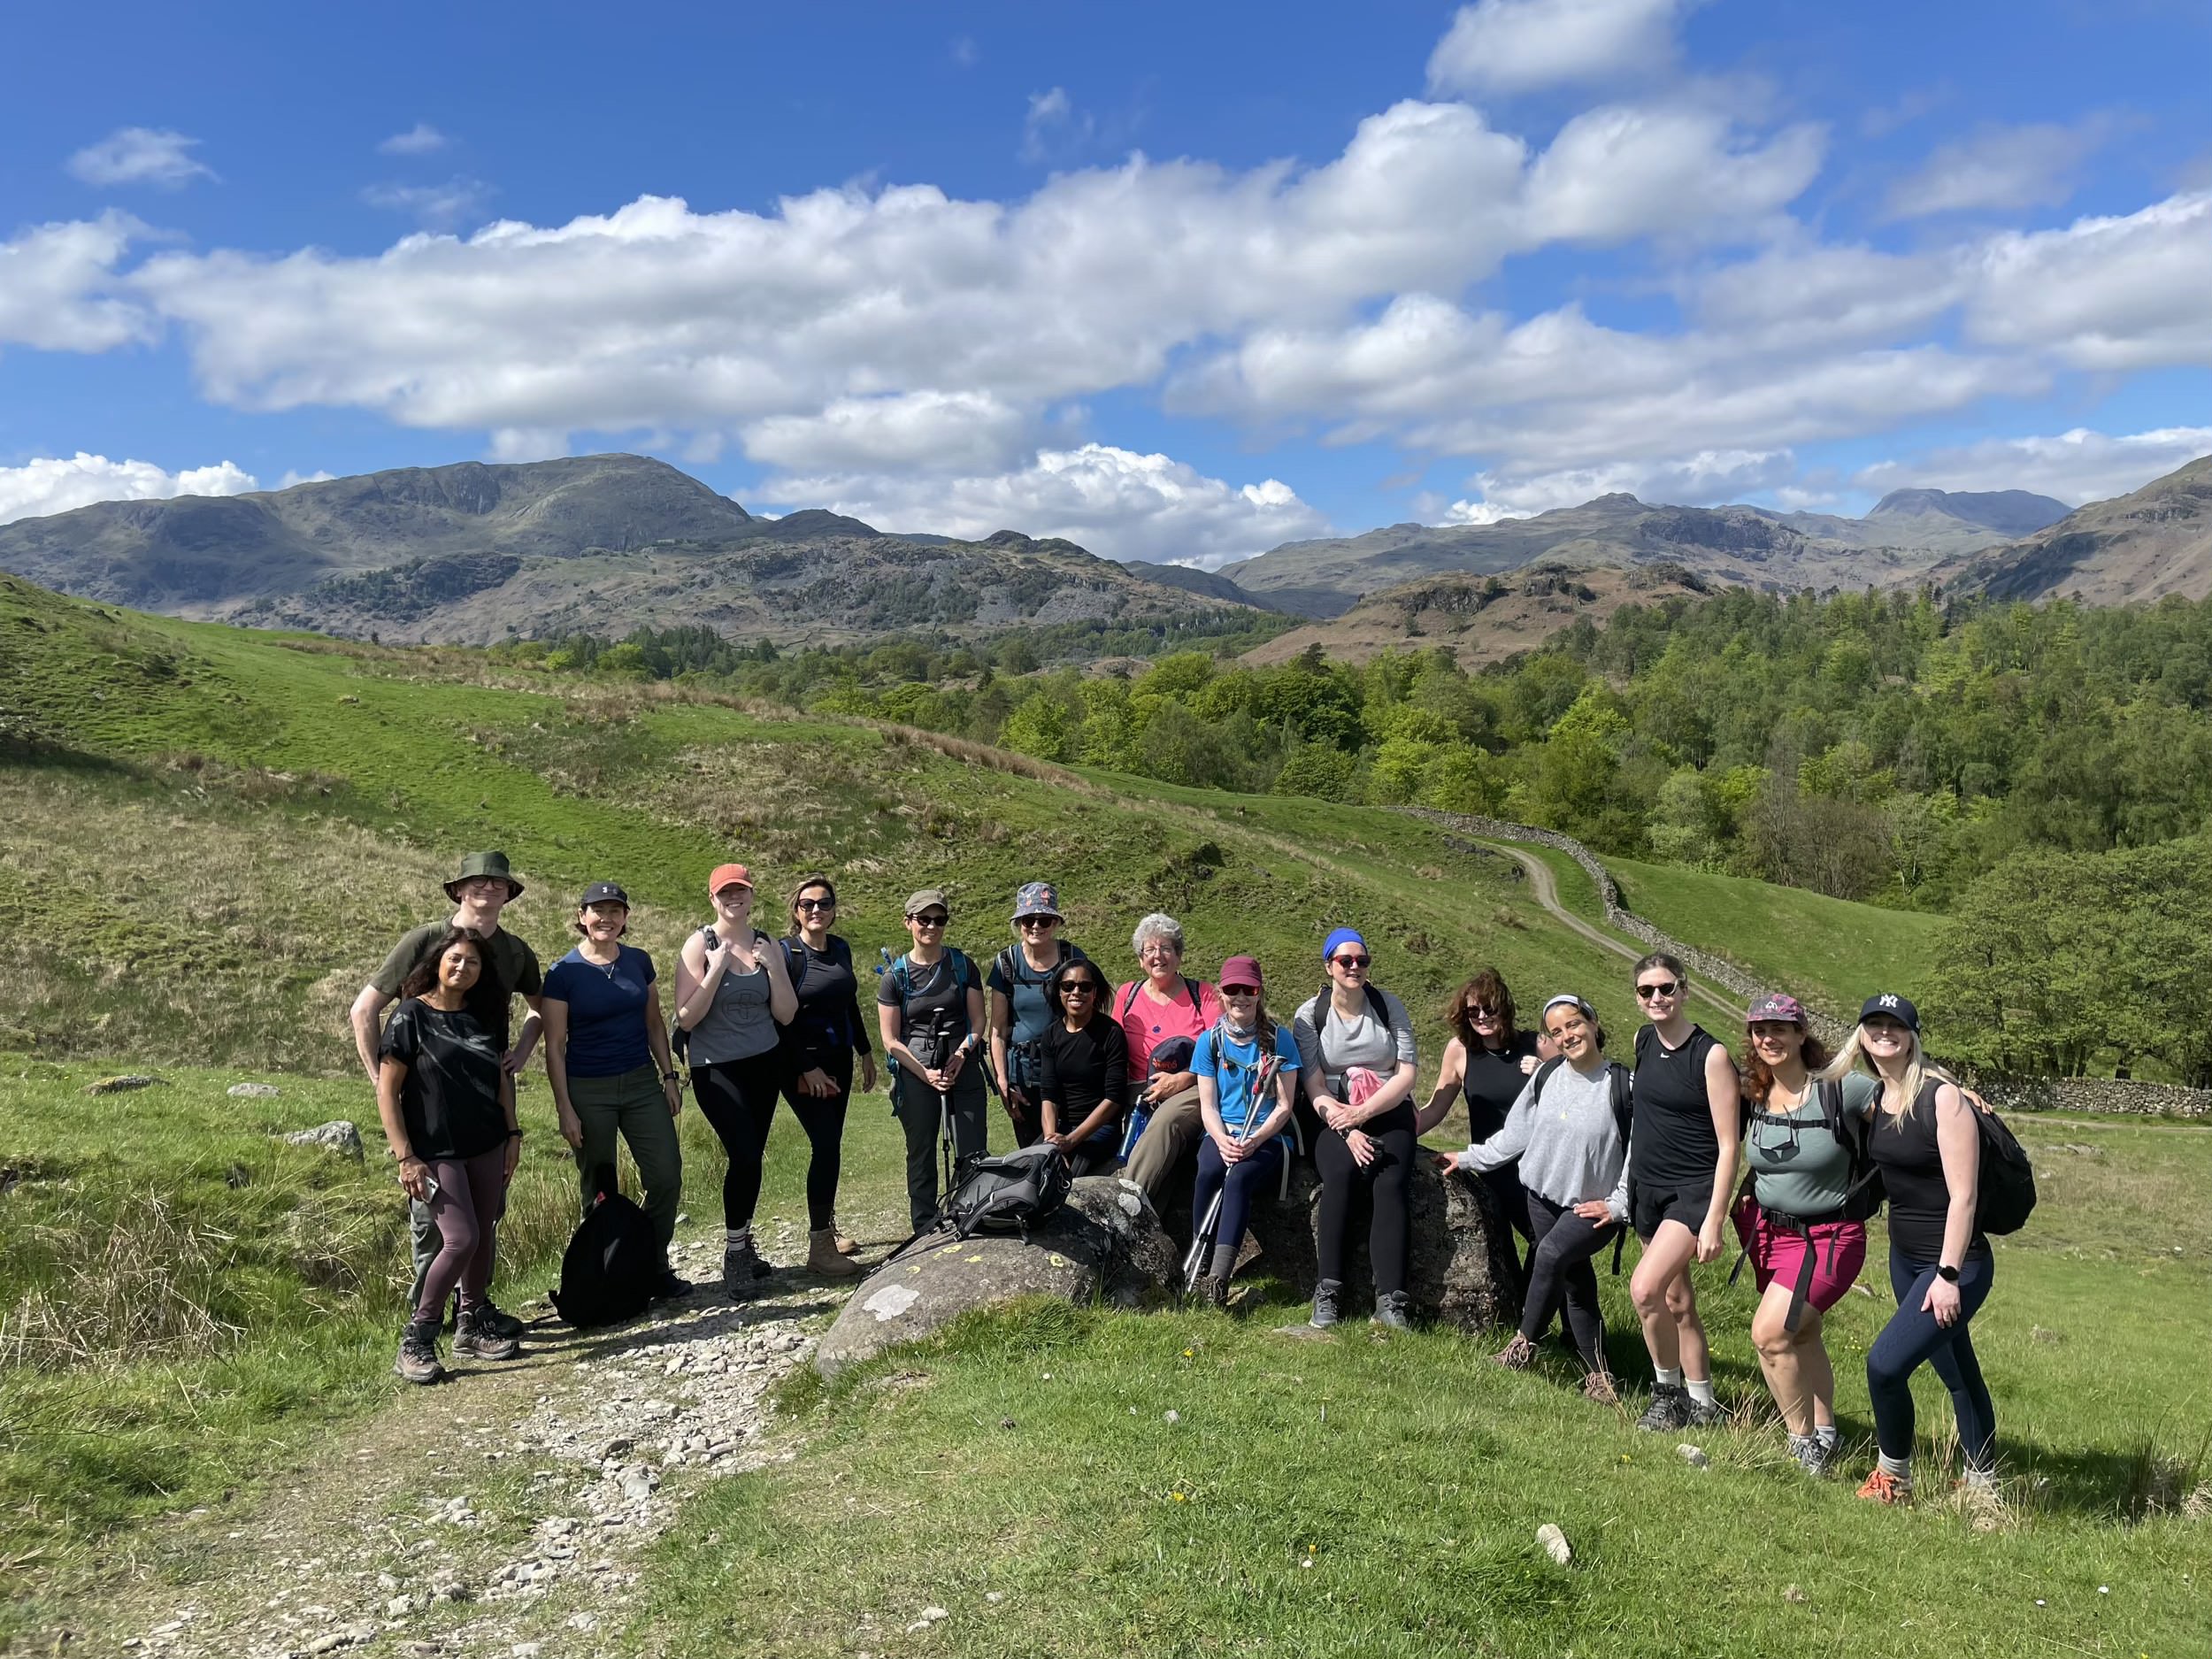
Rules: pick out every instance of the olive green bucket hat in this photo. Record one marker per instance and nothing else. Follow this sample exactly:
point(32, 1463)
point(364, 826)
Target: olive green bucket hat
point(477, 865)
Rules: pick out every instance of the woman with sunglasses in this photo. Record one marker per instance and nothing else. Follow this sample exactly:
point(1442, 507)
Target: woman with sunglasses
point(929, 1011)
point(1928, 1147)
point(1019, 1015)
point(1681, 1173)
point(1486, 1064)
point(819, 1046)
point(1567, 1131)
point(1356, 1046)
point(1246, 1068)
point(1082, 1071)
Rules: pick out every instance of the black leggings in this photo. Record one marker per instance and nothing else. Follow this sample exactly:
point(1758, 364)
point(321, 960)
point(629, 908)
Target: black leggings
point(1390, 1175)
point(737, 1098)
point(823, 1117)
point(1560, 1270)
point(1504, 1183)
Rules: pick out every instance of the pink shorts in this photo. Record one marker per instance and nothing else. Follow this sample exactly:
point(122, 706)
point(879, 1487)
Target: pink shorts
point(1838, 1250)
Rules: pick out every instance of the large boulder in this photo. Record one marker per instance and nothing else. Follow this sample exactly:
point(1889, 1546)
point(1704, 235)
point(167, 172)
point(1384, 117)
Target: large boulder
point(1103, 1245)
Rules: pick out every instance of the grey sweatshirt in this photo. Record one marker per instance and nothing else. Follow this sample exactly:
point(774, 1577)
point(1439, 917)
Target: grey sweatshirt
point(1329, 1045)
point(1570, 1148)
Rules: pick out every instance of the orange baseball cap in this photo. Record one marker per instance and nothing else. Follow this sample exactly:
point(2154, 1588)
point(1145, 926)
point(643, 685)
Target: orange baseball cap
point(728, 876)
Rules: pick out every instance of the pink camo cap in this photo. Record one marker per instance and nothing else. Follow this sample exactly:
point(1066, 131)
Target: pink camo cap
point(1784, 1010)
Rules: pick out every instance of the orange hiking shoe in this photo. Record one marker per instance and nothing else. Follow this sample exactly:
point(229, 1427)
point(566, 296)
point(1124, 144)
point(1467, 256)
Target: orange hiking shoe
point(1883, 1487)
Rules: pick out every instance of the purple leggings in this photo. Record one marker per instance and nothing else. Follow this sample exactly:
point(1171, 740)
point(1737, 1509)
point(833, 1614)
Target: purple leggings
point(464, 1213)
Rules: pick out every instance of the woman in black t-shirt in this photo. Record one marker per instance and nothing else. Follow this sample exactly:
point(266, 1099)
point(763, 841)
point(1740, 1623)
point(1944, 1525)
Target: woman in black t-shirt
point(1486, 1064)
point(448, 1106)
point(1083, 1069)
point(819, 1046)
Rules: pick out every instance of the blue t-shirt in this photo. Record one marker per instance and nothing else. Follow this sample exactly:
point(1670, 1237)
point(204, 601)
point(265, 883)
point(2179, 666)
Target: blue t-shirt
point(1233, 1073)
point(606, 1010)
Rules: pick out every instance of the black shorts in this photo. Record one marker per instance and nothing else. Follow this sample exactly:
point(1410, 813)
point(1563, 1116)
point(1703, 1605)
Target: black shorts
point(1649, 1205)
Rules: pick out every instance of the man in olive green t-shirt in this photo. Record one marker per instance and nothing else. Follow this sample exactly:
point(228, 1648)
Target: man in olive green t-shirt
point(485, 886)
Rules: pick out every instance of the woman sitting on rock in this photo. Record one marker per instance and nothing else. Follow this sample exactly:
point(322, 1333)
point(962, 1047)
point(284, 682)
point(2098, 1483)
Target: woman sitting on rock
point(1082, 1070)
point(1157, 1007)
point(1355, 1044)
point(1245, 1066)
point(448, 1106)
point(1569, 1131)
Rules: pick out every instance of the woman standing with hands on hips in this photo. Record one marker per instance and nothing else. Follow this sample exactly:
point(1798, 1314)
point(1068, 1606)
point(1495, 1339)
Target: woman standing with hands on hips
point(1681, 1174)
point(732, 993)
point(606, 1056)
point(818, 1045)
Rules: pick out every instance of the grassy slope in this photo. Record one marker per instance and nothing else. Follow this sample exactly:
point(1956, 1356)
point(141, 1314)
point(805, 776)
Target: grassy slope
point(1031, 1455)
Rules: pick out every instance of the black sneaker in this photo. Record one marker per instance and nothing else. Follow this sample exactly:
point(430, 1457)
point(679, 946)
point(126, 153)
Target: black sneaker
point(494, 1318)
point(1669, 1410)
point(477, 1339)
point(418, 1360)
point(1328, 1304)
point(741, 1270)
point(672, 1286)
point(1390, 1311)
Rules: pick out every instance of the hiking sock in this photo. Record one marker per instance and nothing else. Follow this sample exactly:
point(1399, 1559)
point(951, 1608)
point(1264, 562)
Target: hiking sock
point(1702, 1390)
point(1662, 1378)
point(738, 1238)
point(1900, 1468)
point(1980, 1479)
point(1828, 1434)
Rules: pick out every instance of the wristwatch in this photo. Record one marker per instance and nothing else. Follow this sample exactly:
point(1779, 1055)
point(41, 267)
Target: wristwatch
point(1948, 1275)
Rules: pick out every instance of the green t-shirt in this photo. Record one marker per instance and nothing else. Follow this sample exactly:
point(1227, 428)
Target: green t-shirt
point(1803, 1169)
point(510, 970)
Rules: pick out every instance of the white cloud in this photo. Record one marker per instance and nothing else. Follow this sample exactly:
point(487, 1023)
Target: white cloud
point(435, 206)
point(292, 475)
point(1511, 46)
point(52, 283)
point(2075, 467)
point(1052, 124)
point(1693, 481)
point(1116, 503)
point(964, 52)
point(1997, 167)
point(526, 443)
point(50, 486)
point(421, 139)
point(2108, 294)
point(949, 432)
point(1618, 173)
point(140, 155)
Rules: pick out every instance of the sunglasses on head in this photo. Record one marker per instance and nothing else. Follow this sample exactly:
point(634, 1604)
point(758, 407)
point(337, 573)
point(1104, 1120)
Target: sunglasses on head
point(1353, 962)
point(1665, 987)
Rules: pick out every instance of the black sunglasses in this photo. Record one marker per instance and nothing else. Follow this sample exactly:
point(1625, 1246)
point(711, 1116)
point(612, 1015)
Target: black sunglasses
point(1080, 987)
point(1665, 987)
point(1481, 1010)
point(818, 904)
point(935, 919)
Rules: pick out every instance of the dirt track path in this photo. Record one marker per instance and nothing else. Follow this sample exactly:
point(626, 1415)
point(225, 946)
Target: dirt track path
point(1545, 886)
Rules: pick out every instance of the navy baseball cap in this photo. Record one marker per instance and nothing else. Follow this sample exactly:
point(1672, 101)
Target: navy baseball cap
point(1898, 1008)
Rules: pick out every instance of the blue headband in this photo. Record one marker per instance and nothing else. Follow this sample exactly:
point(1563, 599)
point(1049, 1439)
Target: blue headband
point(1342, 936)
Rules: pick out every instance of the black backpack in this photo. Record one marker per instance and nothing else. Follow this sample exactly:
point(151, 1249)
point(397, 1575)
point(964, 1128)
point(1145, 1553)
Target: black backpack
point(1008, 1193)
point(1865, 1195)
point(613, 1263)
point(2005, 1190)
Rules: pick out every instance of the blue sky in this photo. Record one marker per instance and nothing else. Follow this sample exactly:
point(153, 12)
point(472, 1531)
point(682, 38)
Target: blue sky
point(1177, 281)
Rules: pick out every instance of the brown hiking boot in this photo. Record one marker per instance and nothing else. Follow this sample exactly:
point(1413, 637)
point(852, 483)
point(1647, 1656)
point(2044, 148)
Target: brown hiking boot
point(1597, 1386)
point(418, 1360)
point(1518, 1355)
point(823, 1256)
point(845, 1246)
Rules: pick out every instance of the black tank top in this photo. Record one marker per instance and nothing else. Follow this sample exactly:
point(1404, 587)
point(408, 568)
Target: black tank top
point(1672, 1143)
point(1493, 1083)
point(1912, 1174)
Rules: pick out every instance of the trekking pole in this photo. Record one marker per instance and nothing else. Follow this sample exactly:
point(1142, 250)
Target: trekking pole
point(1201, 1242)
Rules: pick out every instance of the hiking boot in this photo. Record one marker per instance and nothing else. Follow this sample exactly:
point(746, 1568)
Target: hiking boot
point(1518, 1355)
point(822, 1256)
point(1698, 1414)
point(1669, 1410)
point(672, 1286)
point(845, 1246)
point(1597, 1385)
point(1813, 1453)
point(418, 1360)
point(1328, 1304)
point(494, 1318)
point(1881, 1486)
point(1213, 1291)
point(741, 1270)
point(477, 1338)
point(1390, 1311)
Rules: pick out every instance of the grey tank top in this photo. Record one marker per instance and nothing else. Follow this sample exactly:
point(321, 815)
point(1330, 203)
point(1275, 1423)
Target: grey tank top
point(737, 1024)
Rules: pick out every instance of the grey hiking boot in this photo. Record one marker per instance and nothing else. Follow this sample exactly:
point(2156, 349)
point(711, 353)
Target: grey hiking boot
point(741, 1271)
point(478, 1339)
point(1669, 1410)
point(1701, 1413)
point(1390, 1311)
point(1328, 1304)
point(418, 1360)
point(1813, 1453)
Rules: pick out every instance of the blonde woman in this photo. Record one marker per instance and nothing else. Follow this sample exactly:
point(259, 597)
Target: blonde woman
point(1928, 1148)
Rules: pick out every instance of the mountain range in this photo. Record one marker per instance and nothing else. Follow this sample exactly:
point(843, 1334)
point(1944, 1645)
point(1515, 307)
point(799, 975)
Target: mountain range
point(475, 552)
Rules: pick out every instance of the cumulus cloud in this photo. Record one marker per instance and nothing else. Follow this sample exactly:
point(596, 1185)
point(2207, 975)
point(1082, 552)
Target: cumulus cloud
point(140, 155)
point(1695, 480)
point(2107, 294)
point(1997, 167)
point(1114, 501)
point(1618, 173)
point(1512, 46)
point(2075, 467)
point(54, 283)
point(421, 139)
point(1053, 124)
point(972, 431)
point(42, 487)
point(435, 206)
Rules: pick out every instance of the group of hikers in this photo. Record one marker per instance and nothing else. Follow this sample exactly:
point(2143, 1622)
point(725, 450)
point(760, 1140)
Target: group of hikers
point(1166, 1073)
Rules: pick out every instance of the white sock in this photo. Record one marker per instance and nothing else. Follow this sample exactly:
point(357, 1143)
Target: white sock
point(1702, 1390)
point(1662, 1378)
point(1828, 1434)
point(1981, 1480)
point(1901, 1467)
point(736, 1238)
